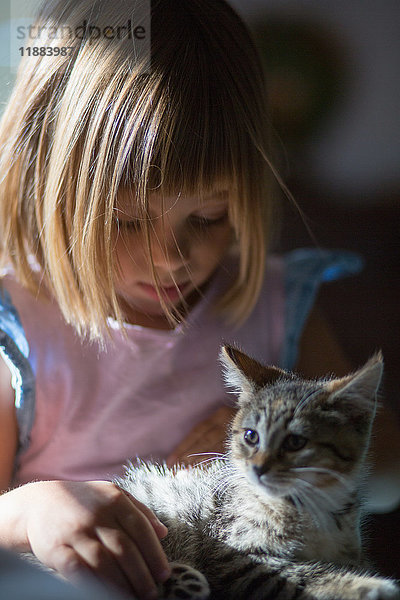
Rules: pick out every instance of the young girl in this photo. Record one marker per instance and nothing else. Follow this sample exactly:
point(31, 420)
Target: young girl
point(136, 213)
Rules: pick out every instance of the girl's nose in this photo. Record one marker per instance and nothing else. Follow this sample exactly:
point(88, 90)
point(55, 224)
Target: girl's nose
point(169, 251)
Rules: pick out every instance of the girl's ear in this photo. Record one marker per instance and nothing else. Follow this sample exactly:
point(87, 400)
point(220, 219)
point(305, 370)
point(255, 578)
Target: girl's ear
point(360, 389)
point(246, 374)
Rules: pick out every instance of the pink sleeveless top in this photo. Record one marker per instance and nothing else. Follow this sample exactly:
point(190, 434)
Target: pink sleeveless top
point(95, 409)
point(83, 412)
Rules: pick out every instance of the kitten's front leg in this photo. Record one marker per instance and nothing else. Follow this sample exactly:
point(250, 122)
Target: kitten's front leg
point(186, 583)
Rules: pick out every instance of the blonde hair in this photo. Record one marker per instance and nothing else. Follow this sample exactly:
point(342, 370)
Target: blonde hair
point(78, 127)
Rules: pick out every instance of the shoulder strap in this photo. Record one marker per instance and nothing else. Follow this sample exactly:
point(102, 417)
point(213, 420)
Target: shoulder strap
point(14, 349)
point(305, 270)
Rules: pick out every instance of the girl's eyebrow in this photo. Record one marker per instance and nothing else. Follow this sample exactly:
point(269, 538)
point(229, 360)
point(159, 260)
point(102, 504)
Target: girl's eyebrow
point(219, 194)
point(218, 197)
point(125, 209)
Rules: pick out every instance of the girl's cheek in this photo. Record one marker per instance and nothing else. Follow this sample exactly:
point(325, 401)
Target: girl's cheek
point(128, 256)
point(214, 248)
point(222, 240)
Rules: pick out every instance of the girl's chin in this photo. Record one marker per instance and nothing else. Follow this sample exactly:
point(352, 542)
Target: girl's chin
point(143, 301)
point(142, 310)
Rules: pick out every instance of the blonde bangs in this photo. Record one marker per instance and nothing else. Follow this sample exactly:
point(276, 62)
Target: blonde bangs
point(207, 129)
point(194, 121)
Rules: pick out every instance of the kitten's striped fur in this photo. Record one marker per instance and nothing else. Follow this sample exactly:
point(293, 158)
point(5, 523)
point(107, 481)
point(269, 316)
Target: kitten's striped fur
point(278, 517)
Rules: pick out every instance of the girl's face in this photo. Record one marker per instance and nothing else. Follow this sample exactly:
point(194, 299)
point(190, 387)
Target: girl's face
point(188, 237)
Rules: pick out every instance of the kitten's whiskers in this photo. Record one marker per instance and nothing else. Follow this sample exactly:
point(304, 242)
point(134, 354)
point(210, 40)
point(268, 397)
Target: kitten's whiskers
point(229, 476)
point(214, 457)
point(210, 460)
point(296, 501)
point(324, 471)
point(216, 454)
point(308, 495)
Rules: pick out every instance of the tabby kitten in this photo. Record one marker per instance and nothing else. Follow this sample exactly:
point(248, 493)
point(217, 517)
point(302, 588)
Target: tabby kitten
point(278, 517)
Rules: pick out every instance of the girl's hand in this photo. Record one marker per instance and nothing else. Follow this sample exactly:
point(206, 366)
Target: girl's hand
point(208, 436)
point(74, 527)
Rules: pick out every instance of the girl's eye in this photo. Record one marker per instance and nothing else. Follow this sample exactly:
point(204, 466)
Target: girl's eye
point(206, 222)
point(294, 442)
point(132, 225)
point(251, 437)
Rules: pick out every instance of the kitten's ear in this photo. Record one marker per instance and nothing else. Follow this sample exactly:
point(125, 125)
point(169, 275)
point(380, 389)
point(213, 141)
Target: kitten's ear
point(245, 374)
point(361, 388)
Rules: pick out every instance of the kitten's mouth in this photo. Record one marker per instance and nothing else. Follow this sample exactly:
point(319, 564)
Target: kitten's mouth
point(274, 489)
point(270, 485)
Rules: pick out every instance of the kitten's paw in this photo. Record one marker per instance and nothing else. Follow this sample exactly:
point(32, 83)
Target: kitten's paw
point(185, 583)
point(384, 590)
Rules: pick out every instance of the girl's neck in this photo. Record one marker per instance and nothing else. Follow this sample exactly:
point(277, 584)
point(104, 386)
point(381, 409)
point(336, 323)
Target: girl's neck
point(132, 316)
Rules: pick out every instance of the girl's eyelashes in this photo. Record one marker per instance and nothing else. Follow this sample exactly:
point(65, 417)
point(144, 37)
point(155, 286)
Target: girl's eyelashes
point(128, 225)
point(135, 225)
point(197, 221)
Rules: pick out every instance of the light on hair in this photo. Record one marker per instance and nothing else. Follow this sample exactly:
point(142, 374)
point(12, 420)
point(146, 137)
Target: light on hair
point(78, 127)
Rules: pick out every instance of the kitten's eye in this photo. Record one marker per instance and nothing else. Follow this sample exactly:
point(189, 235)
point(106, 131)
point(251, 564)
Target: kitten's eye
point(293, 442)
point(251, 437)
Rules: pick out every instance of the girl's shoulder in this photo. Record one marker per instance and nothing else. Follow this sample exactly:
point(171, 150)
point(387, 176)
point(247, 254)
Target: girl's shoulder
point(26, 317)
point(304, 271)
point(288, 293)
point(311, 266)
point(14, 350)
point(10, 323)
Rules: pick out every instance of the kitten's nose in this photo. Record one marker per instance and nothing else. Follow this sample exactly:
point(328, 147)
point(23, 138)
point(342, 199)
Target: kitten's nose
point(261, 469)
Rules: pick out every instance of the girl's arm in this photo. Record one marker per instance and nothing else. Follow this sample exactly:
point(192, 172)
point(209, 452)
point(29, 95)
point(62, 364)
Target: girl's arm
point(73, 527)
point(207, 437)
point(77, 527)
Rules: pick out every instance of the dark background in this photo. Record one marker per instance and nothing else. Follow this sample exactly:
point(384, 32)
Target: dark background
point(333, 82)
point(363, 311)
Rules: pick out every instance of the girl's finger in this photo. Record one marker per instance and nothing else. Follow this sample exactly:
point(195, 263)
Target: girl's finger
point(130, 561)
point(140, 531)
point(160, 529)
point(66, 560)
point(97, 557)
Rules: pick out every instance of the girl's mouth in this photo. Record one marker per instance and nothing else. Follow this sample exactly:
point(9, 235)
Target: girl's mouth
point(171, 293)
